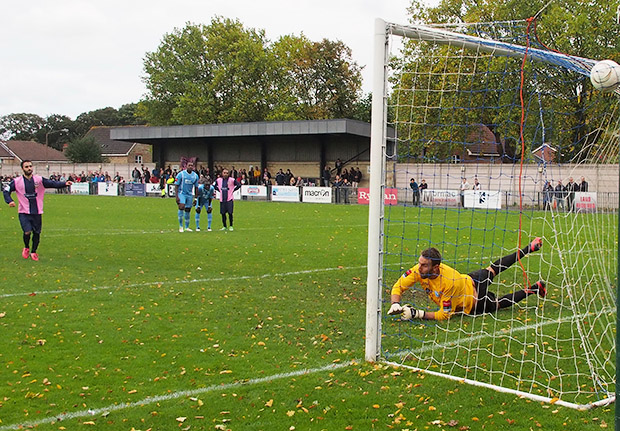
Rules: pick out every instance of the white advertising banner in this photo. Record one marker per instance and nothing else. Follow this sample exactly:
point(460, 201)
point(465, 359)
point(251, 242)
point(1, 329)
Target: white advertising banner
point(171, 190)
point(80, 189)
point(285, 193)
point(487, 199)
point(441, 198)
point(585, 201)
point(318, 195)
point(107, 189)
point(153, 188)
point(256, 191)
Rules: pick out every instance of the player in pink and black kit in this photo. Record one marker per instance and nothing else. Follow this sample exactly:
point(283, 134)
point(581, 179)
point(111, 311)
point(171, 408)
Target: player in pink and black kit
point(227, 186)
point(30, 190)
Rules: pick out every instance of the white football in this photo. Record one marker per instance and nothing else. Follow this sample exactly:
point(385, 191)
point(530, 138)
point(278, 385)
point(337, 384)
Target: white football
point(605, 75)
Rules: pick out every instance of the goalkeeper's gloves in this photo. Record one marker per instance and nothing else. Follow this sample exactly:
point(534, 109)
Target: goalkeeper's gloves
point(411, 313)
point(395, 309)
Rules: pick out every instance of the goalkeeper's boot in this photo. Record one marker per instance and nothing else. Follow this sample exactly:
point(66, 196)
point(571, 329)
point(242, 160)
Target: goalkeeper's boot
point(536, 244)
point(34, 257)
point(25, 253)
point(539, 287)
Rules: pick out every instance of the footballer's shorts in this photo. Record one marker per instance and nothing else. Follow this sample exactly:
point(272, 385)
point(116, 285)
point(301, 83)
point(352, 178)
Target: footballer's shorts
point(202, 202)
point(487, 302)
point(30, 222)
point(226, 207)
point(187, 200)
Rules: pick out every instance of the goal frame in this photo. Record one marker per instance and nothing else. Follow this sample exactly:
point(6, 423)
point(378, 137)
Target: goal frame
point(376, 215)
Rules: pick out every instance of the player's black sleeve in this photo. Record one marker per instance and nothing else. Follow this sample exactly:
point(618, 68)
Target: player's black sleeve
point(51, 184)
point(237, 185)
point(7, 190)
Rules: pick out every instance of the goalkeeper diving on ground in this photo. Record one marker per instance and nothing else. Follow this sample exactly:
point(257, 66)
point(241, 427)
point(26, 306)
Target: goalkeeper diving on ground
point(457, 293)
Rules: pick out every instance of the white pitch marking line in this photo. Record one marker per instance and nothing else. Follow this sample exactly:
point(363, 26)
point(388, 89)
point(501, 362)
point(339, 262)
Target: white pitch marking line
point(507, 332)
point(168, 397)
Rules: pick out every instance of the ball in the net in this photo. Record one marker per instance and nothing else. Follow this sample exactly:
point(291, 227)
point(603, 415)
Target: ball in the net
point(605, 75)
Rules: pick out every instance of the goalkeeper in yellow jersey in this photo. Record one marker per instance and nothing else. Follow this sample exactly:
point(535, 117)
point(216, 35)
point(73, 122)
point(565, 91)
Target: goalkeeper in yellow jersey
point(459, 293)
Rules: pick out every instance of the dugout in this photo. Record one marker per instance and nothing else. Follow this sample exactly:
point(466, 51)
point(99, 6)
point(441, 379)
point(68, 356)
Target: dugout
point(304, 147)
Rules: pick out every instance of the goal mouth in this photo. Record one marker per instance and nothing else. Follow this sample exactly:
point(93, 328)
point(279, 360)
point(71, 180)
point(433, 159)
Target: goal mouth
point(511, 142)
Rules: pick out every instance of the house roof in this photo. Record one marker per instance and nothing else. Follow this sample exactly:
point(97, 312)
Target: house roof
point(30, 150)
point(481, 141)
point(544, 147)
point(109, 147)
point(545, 153)
point(4, 152)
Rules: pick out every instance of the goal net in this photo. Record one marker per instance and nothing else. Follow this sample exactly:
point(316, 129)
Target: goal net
point(478, 133)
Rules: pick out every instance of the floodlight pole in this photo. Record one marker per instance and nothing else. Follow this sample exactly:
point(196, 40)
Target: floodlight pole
point(375, 207)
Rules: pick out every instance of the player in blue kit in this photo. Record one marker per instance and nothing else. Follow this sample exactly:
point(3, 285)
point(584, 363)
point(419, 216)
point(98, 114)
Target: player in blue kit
point(206, 192)
point(186, 185)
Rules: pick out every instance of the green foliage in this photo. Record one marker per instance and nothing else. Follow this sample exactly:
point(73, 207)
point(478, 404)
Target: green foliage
point(21, 127)
point(224, 72)
point(126, 115)
point(58, 130)
point(570, 113)
point(84, 150)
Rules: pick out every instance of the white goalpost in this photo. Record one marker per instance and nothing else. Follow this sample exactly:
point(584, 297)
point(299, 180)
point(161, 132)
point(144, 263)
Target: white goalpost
point(488, 105)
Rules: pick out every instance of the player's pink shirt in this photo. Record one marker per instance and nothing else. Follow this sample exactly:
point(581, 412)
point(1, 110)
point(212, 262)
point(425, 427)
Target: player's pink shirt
point(20, 189)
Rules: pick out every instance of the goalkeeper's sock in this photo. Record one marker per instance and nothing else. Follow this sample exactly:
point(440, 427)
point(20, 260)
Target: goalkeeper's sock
point(539, 287)
point(511, 299)
point(507, 261)
point(180, 218)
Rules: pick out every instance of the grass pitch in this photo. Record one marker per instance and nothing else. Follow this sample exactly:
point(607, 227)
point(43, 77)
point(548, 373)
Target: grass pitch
point(125, 323)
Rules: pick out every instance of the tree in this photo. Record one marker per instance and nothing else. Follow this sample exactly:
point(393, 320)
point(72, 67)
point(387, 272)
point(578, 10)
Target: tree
point(362, 109)
point(208, 74)
point(128, 116)
point(223, 72)
point(577, 27)
point(56, 131)
point(315, 80)
point(84, 150)
point(21, 127)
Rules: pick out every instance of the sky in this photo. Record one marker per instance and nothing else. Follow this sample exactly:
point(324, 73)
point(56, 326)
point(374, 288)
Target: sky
point(67, 57)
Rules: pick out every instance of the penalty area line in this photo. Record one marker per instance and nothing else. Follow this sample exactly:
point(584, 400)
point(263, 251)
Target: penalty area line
point(168, 397)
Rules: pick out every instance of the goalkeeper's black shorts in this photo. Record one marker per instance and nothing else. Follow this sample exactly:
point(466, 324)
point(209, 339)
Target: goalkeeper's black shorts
point(487, 302)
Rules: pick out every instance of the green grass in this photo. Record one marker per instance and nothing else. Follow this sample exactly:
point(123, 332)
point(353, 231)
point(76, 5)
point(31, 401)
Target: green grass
point(220, 326)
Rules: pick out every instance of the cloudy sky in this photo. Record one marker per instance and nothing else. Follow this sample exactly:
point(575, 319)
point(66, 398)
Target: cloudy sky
point(72, 56)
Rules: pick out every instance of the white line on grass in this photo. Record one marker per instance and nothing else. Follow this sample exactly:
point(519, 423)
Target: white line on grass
point(56, 233)
point(168, 397)
point(499, 333)
point(200, 280)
